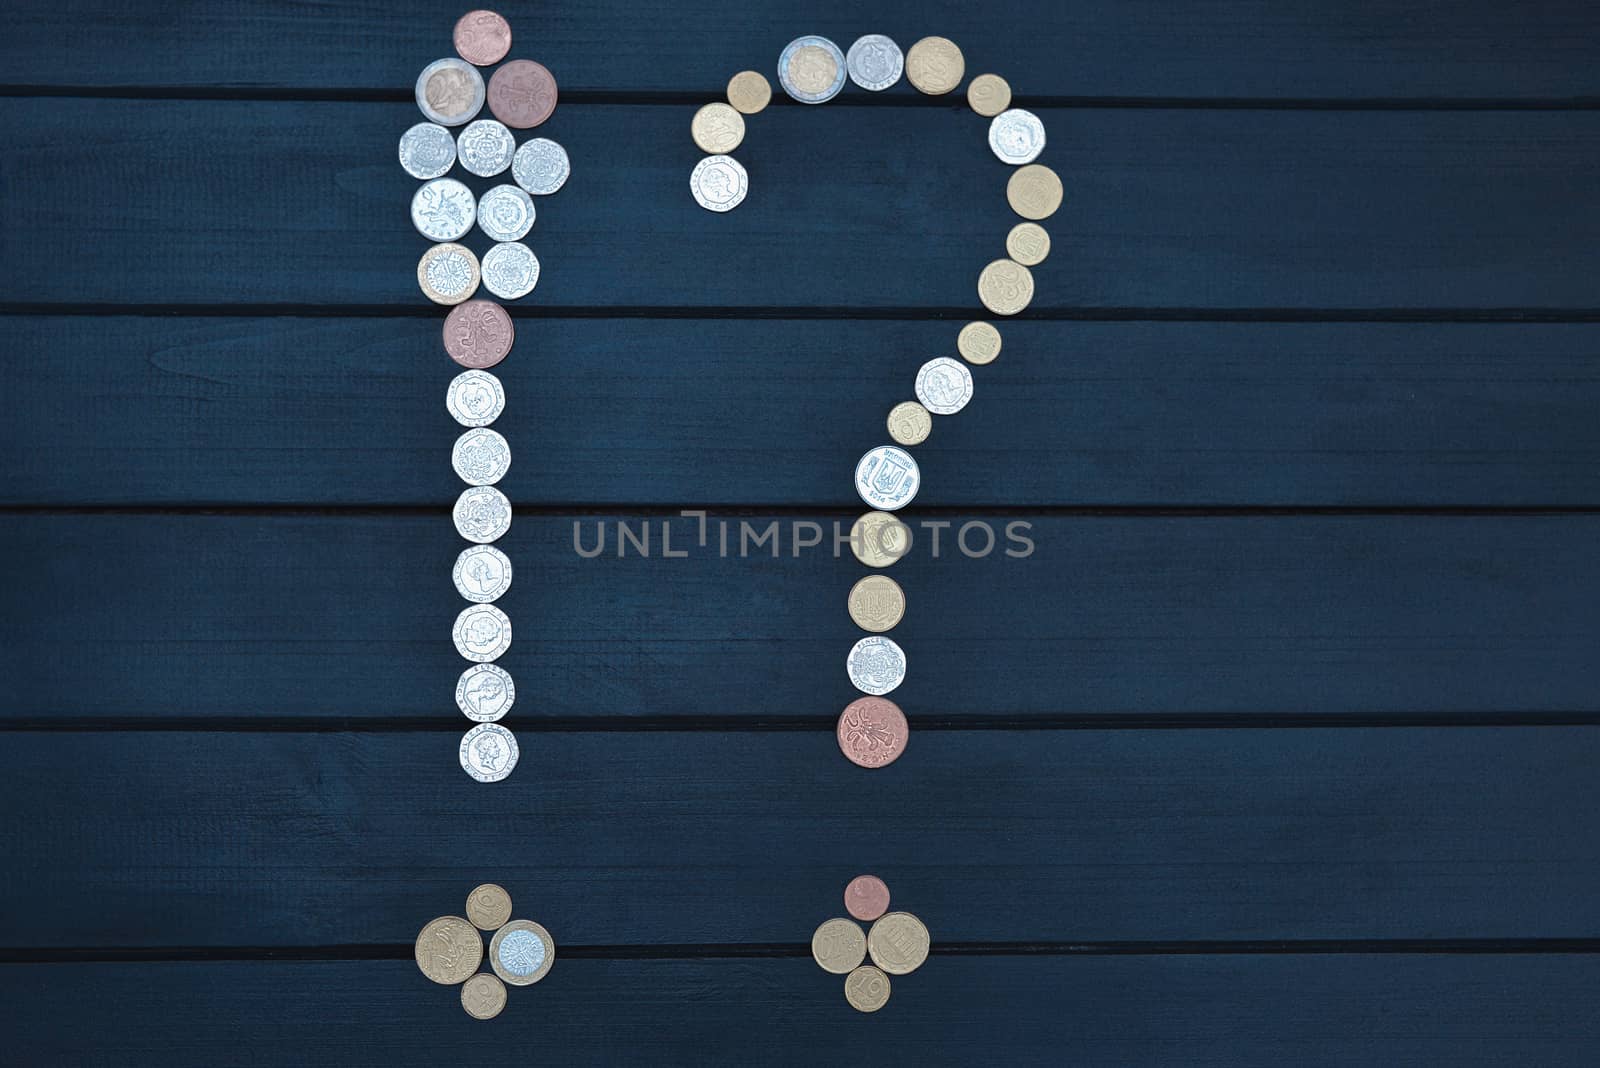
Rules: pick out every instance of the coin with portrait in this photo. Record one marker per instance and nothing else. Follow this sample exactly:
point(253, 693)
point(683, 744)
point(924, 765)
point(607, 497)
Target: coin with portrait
point(482, 633)
point(719, 183)
point(482, 573)
point(485, 693)
point(488, 753)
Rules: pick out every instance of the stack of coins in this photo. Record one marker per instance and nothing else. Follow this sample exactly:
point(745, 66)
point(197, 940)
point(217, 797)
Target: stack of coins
point(449, 950)
point(897, 942)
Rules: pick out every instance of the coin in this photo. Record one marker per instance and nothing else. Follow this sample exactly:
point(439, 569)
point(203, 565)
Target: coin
point(879, 539)
point(488, 754)
point(1034, 192)
point(978, 343)
point(482, 574)
point(866, 897)
point(876, 666)
point(482, 633)
point(448, 274)
point(719, 183)
point(475, 398)
point(488, 907)
point(1028, 243)
point(478, 333)
point(898, 943)
point(480, 457)
point(483, 996)
point(450, 91)
point(482, 514)
point(909, 423)
point(934, 65)
point(449, 949)
point(485, 148)
point(522, 94)
point(485, 693)
point(749, 92)
point(505, 213)
point(944, 385)
point(1005, 287)
point(541, 166)
point(866, 989)
point(872, 732)
point(874, 62)
point(989, 95)
point(522, 952)
point(717, 128)
point(887, 477)
point(1016, 136)
point(427, 150)
point(838, 945)
point(811, 69)
point(510, 270)
point(482, 38)
point(443, 209)
point(876, 603)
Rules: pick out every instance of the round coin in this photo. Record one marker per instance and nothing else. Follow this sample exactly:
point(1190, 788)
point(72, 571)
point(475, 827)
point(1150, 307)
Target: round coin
point(874, 62)
point(427, 150)
point(478, 334)
point(898, 943)
point(1005, 287)
point(482, 633)
point(876, 666)
point(887, 477)
point(717, 128)
point(872, 732)
point(505, 213)
point(719, 183)
point(485, 693)
point(838, 945)
point(522, 952)
point(811, 69)
point(541, 166)
point(475, 398)
point(1016, 136)
point(482, 514)
point(978, 343)
point(879, 539)
point(510, 270)
point(482, 575)
point(866, 989)
point(443, 209)
point(483, 996)
point(876, 603)
point(522, 94)
point(449, 949)
point(944, 385)
point(749, 92)
point(482, 38)
point(488, 754)
point(481, 457)
point(1034, 192)
point(488, 907)
point(1028, 243)
point(448, 273)
point(935, 65)
point(866, 897)
point(485, 148)
point(989, 95)
point(909, 423)
point(450, 91)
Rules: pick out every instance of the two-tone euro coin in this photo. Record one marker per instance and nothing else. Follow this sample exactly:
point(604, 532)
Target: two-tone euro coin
point(427, 151)
point(887, 477)
point(488, 753)
point(443, 209)
point(1016, 136)
point(485, 693)
point(522, 952)
point(450, 91)
point(482, 514)
point(482, 574)
point(811, 69)
point(505, 213)
point(475, 398)
point(485, 148)
point(448, 273)
point(481, 457)
point(875, 665)
point(719, 183)
point(874, 62)
point(944, 385)
point(482, 633)
point(510, 270)
point(541, 166)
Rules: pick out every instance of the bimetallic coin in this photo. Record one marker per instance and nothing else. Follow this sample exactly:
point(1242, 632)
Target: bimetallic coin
point(866, 989)
point(450, 91)
point(866, 897)
point(719, 183)
point(482, 38)
point(944, 386)
point(449, 949)
point(482, 575)
point(989, 95)
point(811, 69)
point(475, 398)
point(935, 65)
point(482, 514)
point(541, 166)
point(978, 343)
point(717, 128)
point(448, 273)
point(478, 334)
point(485, 148)
point(522, 94)
point(482, 633)
point(1016, 136)
point(749, 92)
point(505, 213)
point(872, 732)
point(898, 943)
point(909, 423)
point(887, 477)
point(522, 952)
point(443, 209)
point(1028, 243)
point(879, 539)
point(1005, 287)
point(485, 693)
point(1034, 192)
point(481, 457)
point(838, 945)
point(510, 270)
point(483, 996)
point(488, 907)
point(877, 603)
point(874, 62)
point(876, 666)
point(427, 150)
point(488, 754)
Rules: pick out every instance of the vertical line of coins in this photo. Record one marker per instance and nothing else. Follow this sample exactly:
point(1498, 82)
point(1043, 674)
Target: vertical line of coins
point(478, 333)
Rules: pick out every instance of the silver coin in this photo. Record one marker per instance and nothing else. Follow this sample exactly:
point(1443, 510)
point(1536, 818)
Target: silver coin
point(505, 213)
point(427, 150)
point(450, 91)
point(944, 386)
point(875, 62)
point(443, 209)
point(887, 477)
point(482, 633)
point(719, 183)
point(1016, 136)
point(510, 270)
point(826, 88)
point(482, 573)
point(481, 457)
point(876, 665)
point(541, 166)
point(488, 752)
point(485, 148)
point(482, 514)
point(475, 398)
point(485, 693)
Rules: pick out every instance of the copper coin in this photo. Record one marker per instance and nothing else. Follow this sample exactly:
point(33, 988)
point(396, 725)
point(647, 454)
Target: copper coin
point(873, 731)
point(478, 333)
point(522, 94)
point(482, 38)
point(867, 897)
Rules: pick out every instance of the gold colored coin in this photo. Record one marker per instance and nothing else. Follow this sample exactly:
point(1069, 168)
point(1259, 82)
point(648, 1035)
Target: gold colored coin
point(978, 343)
point(483, 996)
point(521, 952)
point(812, 69)
point(1005, 287)
point(934, 65)
point(989, 95)
point(749, 91)
point(839, 945)
point(879, 539)
point(1034, 191)
point(449, 949)
point(877, 603)
point(1028, 243)
point(448, 273)
point(717, 129)
point(866, 989)
point(898, 943)
point(909, 423)
point(488, 907)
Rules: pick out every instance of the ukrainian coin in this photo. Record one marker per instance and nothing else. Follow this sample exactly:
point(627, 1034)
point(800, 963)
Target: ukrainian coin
point(521, 952)
point(879, 539)
point(1016, 136)
point(485, 693)
point(541, 166)
point(505, 213)
point(944, 386)
point(749, 92)
point(482, 38)
point(866, 989)
point(909, 423)
point(481, 457)
point(482, 633)
point(475, 398)
point(898, 943)
point(427, 150)
point(719, 183)
point(478, 334)
point(877, 603)
point(1028, 243)
point(510, 270)
point(866, 897)
point(717, 128)
point(450, 91)
point(483, 996)
point(811, 69)
point(482, 575)
point(887, 477)
point(875, 665)
point(989, 95)
point(935, 65)
point(442, 210)
point(482, 514)
point(874, 62)
point(448, 274)
point(488, 907)
point(522, 94)
point(978, 343)
point(1034, 192)
point(488, 754)
point(1005, 287)
point(872, 732)
point(485, 148)
point(838, 945)
point(449, 949)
